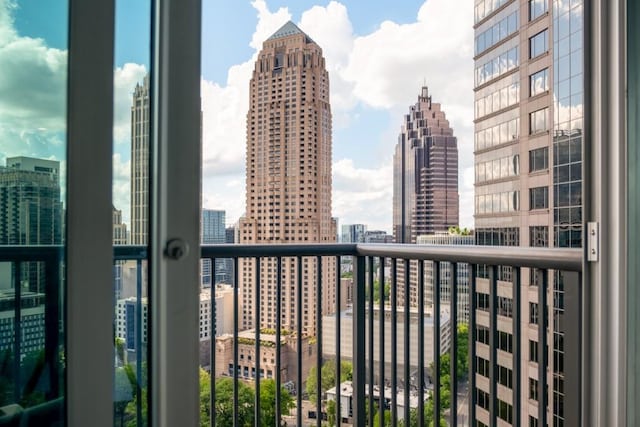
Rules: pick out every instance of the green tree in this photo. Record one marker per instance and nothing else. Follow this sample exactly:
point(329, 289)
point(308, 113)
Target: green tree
point(119, 343)
point(331, 413)
point(376, 290)
point(328, 377)
point(224, 403)
point(205, 398)
point(387, 418)
point(268, 402)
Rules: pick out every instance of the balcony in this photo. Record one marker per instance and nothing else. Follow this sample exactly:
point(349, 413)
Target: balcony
point(409, 269)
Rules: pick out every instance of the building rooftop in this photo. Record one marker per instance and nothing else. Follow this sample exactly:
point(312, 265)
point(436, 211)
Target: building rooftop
point(289, 29)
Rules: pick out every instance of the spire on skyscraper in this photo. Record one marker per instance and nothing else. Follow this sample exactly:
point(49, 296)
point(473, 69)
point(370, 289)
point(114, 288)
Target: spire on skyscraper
point(289, 29)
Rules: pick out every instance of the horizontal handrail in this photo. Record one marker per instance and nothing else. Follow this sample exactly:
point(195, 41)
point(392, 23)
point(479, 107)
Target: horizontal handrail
point(544, 258)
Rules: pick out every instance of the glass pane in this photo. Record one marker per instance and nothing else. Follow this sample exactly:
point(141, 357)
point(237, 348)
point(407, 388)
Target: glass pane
point(131, 210)
point(33, 60)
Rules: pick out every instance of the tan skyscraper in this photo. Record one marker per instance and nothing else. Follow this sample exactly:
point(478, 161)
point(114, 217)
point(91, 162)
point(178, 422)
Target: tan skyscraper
point(288, 193)
point(140, 163)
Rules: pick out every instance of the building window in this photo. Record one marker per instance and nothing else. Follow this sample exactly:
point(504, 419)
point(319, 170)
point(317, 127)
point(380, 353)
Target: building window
point(539, 82)
point(533, 389)
point(537, 8)
point(533, 421)
point(533, 351)
point(482, 302)
point(505, 342)
point(505, 411)
point(482, 399)
point(538, 121)
point(505, 376)
point(538, 198)
point(533, 313)
point(538, 44)
point(482, 334)
point(539, 236)
point(505, 307)
point(539, 159)
point(483, 366)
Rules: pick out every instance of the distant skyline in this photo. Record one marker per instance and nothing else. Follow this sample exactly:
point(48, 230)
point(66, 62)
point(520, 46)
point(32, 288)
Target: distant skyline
point(378, 57)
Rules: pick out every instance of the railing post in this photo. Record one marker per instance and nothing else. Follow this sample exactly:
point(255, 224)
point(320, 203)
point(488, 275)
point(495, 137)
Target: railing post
point(359, 348)
point(473, 269)
point(572, 330)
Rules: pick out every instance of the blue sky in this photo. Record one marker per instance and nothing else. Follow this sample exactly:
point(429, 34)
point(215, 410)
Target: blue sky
point(378, 54)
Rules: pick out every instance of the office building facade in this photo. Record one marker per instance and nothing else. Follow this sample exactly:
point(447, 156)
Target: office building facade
point(425, 181)
point(529, 87)
point(425, 172)
point(213, 231)
point(140, 163)
point(447, 272)
point(353, 233)
point(288, 183)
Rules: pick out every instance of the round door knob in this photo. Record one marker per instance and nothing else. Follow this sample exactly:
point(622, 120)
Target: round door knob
point(176, 249)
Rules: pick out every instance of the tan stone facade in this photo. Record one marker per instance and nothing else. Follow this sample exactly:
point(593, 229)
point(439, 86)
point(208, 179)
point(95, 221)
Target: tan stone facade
point(268, 368)
point(288, 182)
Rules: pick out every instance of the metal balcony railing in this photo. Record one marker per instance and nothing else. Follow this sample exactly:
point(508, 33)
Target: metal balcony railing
point(384, 378)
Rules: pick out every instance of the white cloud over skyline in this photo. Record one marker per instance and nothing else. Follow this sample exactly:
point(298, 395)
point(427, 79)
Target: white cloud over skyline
point(381, 70)
point(378, 71)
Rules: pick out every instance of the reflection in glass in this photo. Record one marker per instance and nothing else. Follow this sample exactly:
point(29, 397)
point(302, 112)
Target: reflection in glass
point(32, 188)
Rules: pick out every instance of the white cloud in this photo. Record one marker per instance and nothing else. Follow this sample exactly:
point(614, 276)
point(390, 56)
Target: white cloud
point(122, 186)
point(363, 195)
point(383, 69)
point(32, 92)
point(268, 22)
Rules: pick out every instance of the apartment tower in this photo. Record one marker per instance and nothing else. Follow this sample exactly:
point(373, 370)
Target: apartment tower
point(288, 182)
point(529, 86)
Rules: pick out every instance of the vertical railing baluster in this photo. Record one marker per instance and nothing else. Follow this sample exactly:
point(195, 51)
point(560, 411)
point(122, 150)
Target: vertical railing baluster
point(52, 319)
point(542, 347)
point(370, 338)
point(381, 344)
point(393, 295)
point(138, 341)
point(493, 338)
point(473, 269)
point(212, 350)
point(236, 307)
point(421, 343)
point(437, 411)
point(338, 343)
point(573, 330)
point(17, 333)
point(319, 341)
point(257, 325)
point(359, 347)
point(278, 342)
point(517, 347)
point(453, 321)
point(299, 342)
point(407, 354)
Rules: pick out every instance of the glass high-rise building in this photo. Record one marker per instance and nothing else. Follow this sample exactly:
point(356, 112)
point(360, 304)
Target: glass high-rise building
point(425, 172)
point(529, 87)
point(425, 181)
point(214, 233)
point(353, 233)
